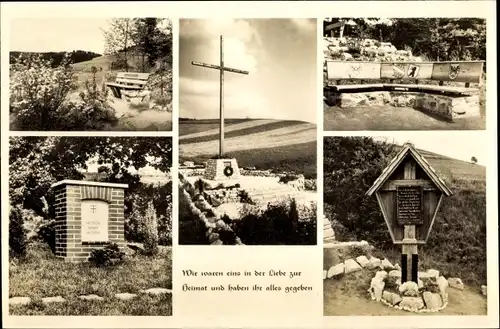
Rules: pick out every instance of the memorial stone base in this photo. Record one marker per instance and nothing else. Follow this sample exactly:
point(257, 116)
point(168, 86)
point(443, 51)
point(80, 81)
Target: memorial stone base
point(446, 107)
point(216, 170)
point(89, 215)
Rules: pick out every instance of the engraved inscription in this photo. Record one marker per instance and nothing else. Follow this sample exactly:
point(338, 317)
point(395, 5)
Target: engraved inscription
point(410, 205)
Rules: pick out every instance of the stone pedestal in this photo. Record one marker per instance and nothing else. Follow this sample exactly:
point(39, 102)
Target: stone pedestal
point(89, 215)
point(216, 170)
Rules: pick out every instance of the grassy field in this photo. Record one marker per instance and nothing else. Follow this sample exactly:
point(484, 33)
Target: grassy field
point(260, 143)
point(41, 274)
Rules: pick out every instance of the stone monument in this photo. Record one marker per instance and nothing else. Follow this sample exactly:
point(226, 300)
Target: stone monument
point(89, 215)
point(221, 169)
point(409, 193)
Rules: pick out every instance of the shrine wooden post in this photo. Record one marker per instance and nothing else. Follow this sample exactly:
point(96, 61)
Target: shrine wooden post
point(409, 193)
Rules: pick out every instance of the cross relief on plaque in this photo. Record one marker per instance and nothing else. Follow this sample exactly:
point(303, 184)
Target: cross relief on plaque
point(221, 69)
point(95, 217)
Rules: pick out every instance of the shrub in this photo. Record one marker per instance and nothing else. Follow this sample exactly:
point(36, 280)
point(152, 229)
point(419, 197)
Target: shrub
point(106, 256)
point(17, 236)
point(191, 229)
point(288, 178)
point(244, 197)
point(151, 231)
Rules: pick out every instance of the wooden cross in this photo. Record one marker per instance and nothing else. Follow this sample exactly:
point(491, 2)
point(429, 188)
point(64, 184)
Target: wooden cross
point(221, 68)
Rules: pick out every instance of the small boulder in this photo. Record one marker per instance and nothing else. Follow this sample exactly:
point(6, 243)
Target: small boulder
point(56, 299)
point(409, 288)
point(351, 266)
point(125, 296)
point(386, 264)
point(325, 272)
point(362, 260)
point(395, 274)
point(397, 267)
point(484, 290)
point(381, 275)
point(456, 283)
point(19, 301)
point(412, 303)
point(443, 287)
point(433, 273)
point(432, 301)
point(391, 297)
point(377, 287)
point(91, 297)
point(335, 270)
point(374, 262)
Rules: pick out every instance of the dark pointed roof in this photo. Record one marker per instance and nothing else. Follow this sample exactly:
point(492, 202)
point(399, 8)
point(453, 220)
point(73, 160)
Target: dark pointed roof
point(396, 161)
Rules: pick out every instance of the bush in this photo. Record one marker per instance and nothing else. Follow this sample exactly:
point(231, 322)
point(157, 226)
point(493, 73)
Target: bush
point(191, 229)
point(279, 224)
point(288, 178)
point(151, 231)
point(244, 197)
point(109, 255)
point(17, 236)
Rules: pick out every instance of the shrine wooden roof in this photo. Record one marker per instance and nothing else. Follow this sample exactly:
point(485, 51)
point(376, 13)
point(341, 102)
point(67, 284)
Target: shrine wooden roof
point(422, 162)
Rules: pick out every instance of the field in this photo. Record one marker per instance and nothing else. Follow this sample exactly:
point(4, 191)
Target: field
point(261, 143)
point(41, 274)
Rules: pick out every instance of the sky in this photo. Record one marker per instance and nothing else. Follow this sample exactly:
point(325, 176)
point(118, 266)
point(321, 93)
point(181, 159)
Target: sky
point(56, 34)
point(461, 145)
point(280, 55)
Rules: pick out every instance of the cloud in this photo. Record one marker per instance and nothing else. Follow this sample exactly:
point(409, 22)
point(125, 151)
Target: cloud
point(304, 24)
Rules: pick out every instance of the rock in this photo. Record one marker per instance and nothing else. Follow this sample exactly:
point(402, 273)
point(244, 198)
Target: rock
point(433, 273)
point(409, 288)
point(386, 265)
point(397, 267)
point(413, 303)
point(335, 270)
point(351, 266)
point(346, 56)
point(391, 297)
point(443, 287)
point(374, 262)
point(395, 274)
point(420, 284)
point(56, 299)
point(156, 291)
point(217, 243)
point(212, 237)
point(432, 301)
point(456, 283)
point(91, 297)
point(377, 287)
point(363, 261)
point(381, 275)
point(325, 272)
point(125, 296)
point(484, 290)
point(19, 300)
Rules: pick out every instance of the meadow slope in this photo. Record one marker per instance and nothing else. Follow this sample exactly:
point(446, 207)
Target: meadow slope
point(263, 143)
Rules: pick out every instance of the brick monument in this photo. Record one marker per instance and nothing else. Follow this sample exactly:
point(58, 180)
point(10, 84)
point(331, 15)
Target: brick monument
point(89, 215)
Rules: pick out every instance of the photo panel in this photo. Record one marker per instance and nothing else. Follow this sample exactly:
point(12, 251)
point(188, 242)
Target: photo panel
point(91, 74)
point(247, 131)
point(411, 240)
point(90, 226)
point(404, 73)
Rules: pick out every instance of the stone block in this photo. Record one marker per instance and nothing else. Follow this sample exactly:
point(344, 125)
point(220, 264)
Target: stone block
point(413, 303)
point(362, 260)
point(336, 270)
point(432, 301)
point(409, 288)
point(391, 297)
point(19, 300)
point(351, 266)
point(386, 264)
point(374, 262)
point(456, 283)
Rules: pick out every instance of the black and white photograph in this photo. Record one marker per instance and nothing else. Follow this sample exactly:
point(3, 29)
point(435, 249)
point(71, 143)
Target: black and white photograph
point(247, 131)
point(404, 74)
point(90, 226)
point(405, 225)
point(90, 74)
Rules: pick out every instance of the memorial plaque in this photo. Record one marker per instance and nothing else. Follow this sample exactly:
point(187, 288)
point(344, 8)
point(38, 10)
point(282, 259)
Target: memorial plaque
point(410, 205)
point(94, 221)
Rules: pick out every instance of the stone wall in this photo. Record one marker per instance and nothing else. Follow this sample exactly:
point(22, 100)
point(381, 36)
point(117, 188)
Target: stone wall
point(68, 228)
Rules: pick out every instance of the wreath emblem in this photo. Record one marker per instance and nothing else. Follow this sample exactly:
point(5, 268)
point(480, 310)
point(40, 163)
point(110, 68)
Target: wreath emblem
point(454, 70)
point(228, 171)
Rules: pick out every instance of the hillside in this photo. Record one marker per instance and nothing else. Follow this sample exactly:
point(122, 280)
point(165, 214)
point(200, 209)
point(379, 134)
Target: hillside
point(262, 143)
point(103, 62)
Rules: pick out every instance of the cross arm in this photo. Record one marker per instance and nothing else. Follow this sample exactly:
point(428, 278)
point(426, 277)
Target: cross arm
point(216, 67)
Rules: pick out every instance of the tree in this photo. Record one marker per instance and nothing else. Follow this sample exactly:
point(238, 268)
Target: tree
point(118, 39)
point(473, 160)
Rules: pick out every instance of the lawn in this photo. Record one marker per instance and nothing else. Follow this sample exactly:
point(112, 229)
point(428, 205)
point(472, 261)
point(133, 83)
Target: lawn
point(187, 127)
point(41, 274)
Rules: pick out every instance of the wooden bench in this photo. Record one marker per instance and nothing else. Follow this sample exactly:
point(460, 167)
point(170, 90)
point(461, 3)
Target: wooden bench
point(412, 73)
point(128, 81)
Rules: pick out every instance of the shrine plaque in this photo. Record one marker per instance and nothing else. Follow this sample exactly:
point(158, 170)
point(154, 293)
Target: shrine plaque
point(410, 205)
point(94, 221)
